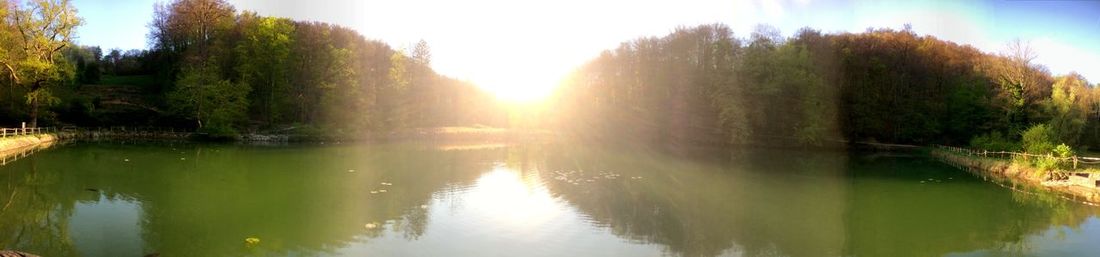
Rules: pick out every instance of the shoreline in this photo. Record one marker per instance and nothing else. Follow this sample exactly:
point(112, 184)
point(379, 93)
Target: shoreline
point(24, 144)
point(20, 146)
point(1020, 174)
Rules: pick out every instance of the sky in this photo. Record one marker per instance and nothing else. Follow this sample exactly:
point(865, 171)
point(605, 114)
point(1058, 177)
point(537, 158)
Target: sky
point(532, 44)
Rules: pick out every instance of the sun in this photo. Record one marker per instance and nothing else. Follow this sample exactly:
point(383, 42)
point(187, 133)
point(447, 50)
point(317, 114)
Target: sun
point(520, 86)
point(518, 91)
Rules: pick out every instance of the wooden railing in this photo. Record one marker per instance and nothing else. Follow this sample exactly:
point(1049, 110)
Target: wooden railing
point(11, 132)
point(1076, 160)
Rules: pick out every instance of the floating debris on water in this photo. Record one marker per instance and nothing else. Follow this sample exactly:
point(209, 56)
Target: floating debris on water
point(125, 160)
point(373, 192)
point(922, 181)
point(372, 225)
point(387, 184)
point(181, 158)
point(577, 177)
point(351, 170)
point(423, 206)
point(381, 190)
point(252, 241)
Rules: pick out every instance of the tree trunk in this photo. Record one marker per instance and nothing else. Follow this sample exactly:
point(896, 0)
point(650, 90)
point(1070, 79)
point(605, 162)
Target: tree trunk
point(34, 112)
point(34, 103)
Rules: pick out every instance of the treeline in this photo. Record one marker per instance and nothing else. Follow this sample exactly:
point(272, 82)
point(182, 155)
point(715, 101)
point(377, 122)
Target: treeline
point(276, 71)
point(221, 71)
point(704, 85)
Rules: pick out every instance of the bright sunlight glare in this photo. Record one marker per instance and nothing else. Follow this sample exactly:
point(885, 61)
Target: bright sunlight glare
point(520, 84)
point(510, 199)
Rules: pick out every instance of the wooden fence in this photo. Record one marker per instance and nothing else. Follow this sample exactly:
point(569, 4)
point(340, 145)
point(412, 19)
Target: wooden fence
point(1076, 160)
point(11, 132)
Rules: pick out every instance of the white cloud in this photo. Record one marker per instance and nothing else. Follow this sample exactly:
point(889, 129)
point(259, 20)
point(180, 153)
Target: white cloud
point(773, 9)
point(1063, 58)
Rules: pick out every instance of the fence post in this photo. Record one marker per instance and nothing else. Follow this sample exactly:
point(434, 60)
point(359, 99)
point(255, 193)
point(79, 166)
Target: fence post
point(1075, 162)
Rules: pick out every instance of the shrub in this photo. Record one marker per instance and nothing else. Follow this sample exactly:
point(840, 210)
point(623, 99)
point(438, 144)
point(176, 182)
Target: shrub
point(1056, 159)
point(1038, 139)
point(1063, 151)
point(994, 141)
point(217, 133)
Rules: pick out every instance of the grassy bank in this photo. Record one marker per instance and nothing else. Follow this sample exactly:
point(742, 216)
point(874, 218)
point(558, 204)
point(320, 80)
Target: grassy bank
point(16, 143)
point(1022, 174)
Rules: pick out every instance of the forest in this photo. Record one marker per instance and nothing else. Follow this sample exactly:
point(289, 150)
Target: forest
point(703, 84)
point(214, 69)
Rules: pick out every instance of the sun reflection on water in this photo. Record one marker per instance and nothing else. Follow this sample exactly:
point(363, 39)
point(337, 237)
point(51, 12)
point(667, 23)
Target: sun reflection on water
point(513, 200)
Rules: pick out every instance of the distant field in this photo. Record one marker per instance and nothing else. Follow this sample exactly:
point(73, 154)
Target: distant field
point(134, 80)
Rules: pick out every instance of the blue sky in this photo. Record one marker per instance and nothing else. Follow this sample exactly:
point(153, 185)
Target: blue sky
point(509, 43)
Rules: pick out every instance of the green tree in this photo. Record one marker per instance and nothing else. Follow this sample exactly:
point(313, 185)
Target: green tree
point(1068, 108)
point(7, 42)
point(213, 102)
point(423, 95)
point(36, 62)
point(1039, 139)
point(264, 63)
point(398, 86)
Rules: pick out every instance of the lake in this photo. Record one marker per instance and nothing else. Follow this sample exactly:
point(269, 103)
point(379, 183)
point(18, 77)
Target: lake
point(417, 199)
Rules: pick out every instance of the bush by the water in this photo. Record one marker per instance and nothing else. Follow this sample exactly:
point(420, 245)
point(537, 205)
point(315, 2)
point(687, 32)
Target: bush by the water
point(994, 141)
point(217, 133)
point(1040, 140)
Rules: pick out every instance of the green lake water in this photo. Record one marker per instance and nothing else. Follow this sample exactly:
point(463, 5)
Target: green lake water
point(113, 199)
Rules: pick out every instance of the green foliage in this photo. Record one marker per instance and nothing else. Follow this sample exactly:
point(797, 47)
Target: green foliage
point(1068, 108)
point(263, 62)
point(881, 85)
point(397, 109)
point(298, 72)
point(33, 58)
point(1038, 139)
point(994, 141)
point(1063, 151)
point(202, 95)
point(217, 133)
point(1044, 164)
point(1056, 159)
point(145, 81)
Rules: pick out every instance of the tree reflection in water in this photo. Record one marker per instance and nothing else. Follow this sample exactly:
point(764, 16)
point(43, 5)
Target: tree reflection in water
point(204, 200)
point(783, 203)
